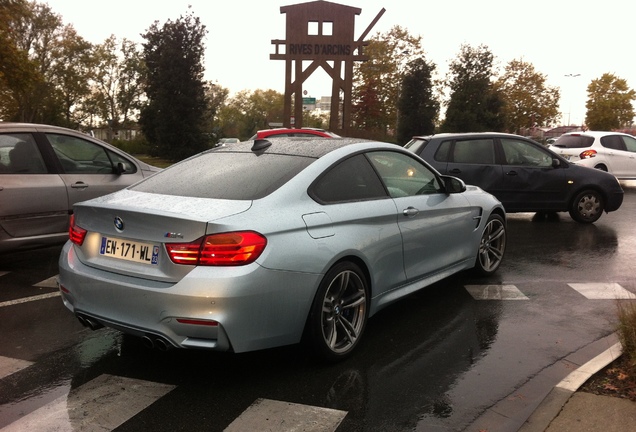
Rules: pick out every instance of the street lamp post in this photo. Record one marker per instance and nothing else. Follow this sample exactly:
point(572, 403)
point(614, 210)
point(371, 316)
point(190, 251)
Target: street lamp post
point(570, 75)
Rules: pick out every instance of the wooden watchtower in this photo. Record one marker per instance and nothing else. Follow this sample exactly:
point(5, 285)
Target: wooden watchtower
point(321, 34)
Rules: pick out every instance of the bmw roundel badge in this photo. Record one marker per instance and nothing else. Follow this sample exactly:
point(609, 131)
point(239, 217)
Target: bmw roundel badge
point(119, 224)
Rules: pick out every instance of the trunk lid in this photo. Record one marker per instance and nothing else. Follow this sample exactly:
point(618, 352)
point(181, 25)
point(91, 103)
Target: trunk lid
point(127, 230)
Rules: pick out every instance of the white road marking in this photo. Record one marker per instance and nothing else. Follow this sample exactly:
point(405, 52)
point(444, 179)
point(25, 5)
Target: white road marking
point(48, 283)
point(495, 292)
point(276, 416)
point(30, 299)
point(2, 273)
point(102, 404)
point(9, 366)
point(602, 291)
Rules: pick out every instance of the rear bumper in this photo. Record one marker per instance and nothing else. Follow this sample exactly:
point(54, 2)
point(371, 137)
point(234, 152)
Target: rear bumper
point(255, 308)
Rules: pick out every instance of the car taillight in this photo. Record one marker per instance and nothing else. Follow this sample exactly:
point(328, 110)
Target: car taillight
point(76, 233)
point(226, 249)
point(587, 154)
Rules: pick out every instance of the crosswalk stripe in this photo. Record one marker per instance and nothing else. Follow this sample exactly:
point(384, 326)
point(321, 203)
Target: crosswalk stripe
point(9, 366)
point(271, 415)
point(495, 292)
point(29, 299)
point(101, 404)
point(602, 291)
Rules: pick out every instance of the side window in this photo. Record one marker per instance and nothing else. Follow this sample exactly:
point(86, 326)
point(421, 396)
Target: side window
point(525, 154)
point(403, 175)
point(614, 142)
point(442, 153)
point(474, 152)
point(20, 155)
point(351, 180)
point(79, 156)
point(630, 143)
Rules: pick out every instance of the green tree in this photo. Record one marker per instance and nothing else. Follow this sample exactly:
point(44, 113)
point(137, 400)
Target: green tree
point(609, 104)
point(118, 82)
point(377, 80)
point(174, 116)
point(475, 105)
point(418, 108)
point(216, 97)
point(528, 100)
point(249, 111)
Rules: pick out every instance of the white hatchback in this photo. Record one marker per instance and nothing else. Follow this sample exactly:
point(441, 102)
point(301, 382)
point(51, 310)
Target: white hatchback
point(613, 152)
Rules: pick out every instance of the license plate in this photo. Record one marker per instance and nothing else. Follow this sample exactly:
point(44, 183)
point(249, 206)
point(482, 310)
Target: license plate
point(145, 253)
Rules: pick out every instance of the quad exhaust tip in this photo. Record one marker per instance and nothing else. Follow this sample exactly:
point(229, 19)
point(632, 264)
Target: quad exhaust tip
point(89, 322)
point(152, 341)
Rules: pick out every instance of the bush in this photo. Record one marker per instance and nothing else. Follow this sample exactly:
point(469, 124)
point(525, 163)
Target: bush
point(136, 146)
point(627, 331)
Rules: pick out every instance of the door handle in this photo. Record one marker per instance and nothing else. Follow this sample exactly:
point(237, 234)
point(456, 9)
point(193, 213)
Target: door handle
point(410, 211)
point(511, 173)
point(79, 185)
point(455, 171)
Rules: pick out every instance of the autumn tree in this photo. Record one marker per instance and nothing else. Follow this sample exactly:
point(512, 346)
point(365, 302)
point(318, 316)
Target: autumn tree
point(70, 74)
point(418, 107)
point(528, 100)
point(173, 117)
point(377, 81)
point(119, 70)
point(28, 32)
point(609, 103)
point(475, 105)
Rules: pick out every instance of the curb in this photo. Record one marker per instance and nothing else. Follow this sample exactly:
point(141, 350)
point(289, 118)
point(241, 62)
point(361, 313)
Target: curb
point(552, 404)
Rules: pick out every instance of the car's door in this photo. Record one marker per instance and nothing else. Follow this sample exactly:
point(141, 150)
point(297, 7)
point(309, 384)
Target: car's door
point(473, 160)
point(620, 153)
point(630, 157)
point(33, 199)
point(531, 181)
point(436, 227)
point(89, 169)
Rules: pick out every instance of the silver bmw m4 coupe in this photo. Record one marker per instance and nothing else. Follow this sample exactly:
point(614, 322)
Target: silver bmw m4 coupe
point(266, 242)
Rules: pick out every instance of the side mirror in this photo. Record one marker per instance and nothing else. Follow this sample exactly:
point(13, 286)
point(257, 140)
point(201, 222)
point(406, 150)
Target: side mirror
point(120, 169)
point(453, 184)
point(556, 163)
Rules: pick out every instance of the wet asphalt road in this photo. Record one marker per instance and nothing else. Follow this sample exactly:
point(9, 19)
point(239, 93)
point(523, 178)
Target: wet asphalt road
point(465, 354)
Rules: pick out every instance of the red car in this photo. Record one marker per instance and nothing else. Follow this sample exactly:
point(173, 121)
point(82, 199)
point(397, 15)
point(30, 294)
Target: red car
point(284, 132)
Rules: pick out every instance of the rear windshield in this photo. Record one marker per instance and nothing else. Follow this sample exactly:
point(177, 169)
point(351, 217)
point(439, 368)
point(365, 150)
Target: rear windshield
point(225, 175)
point(574, 141)
point(416, 145)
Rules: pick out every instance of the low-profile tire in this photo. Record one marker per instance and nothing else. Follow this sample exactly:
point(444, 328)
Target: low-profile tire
point(339, 312)
point(492, 246)
point(587, 206)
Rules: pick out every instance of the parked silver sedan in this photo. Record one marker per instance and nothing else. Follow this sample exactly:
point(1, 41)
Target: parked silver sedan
point(254, 245)
point(44, 170)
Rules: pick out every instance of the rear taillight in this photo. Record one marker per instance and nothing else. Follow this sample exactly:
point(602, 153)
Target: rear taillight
point(226, 249)
point(76, 233)
point(587, 154)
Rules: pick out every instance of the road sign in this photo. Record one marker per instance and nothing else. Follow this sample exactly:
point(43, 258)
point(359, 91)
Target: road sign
point(309, 101)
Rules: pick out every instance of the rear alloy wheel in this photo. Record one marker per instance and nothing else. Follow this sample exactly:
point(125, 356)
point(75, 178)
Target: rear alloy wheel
point(339, 312)
point(491, 246)
point(587, 206)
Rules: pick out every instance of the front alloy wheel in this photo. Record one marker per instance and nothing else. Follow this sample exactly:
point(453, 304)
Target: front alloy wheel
point(339, 312)
point(491, 246)
point(587, 207)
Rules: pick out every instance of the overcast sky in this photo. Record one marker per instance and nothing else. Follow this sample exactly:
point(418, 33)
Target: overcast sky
point(559, 37)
